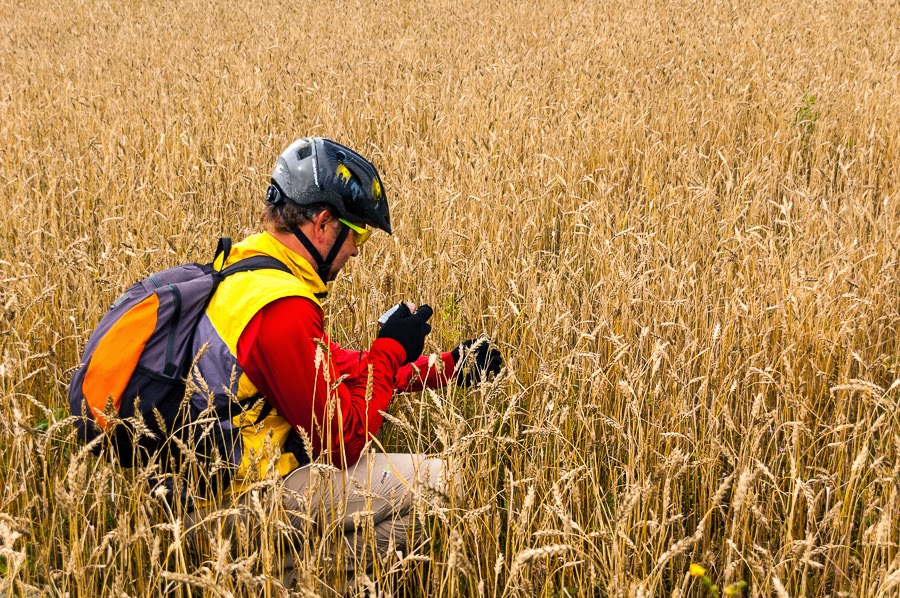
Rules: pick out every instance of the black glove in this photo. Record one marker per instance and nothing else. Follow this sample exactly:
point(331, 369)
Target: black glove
point(408, 329)
point(479, 359)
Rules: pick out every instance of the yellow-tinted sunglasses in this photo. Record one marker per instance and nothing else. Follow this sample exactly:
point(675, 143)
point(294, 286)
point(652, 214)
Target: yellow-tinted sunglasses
point(362, 233)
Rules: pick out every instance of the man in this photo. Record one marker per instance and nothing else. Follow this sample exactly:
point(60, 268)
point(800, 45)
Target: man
point(263, 336)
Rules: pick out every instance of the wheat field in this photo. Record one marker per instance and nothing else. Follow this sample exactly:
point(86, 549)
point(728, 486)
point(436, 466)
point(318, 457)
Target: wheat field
point(678, 220)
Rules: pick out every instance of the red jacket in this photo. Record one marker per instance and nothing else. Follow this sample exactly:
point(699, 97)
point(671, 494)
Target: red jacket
point(277, 351)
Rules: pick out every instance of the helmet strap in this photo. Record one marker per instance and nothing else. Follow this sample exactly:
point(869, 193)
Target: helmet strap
point(323, 266)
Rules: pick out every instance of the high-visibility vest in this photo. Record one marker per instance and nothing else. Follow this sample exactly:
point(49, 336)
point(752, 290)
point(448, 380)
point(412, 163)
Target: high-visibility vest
point(236, 301)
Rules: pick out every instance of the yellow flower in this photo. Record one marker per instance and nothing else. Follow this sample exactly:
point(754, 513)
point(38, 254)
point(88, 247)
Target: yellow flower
point(697, 570)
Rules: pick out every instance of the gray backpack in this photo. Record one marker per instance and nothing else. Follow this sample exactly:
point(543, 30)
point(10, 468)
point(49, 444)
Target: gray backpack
point(137, 359)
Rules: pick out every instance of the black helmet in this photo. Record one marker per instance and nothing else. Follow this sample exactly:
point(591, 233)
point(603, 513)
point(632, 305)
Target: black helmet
point(318, 170)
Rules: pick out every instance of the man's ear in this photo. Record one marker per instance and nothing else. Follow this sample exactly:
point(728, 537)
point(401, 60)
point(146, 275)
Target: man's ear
point(321, 222)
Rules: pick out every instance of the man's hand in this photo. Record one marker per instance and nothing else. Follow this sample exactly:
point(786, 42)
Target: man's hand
point(474, 359)
point(408, 329)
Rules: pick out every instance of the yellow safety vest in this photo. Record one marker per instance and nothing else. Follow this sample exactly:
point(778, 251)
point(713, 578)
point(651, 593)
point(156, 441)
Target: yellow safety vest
point(238, 298)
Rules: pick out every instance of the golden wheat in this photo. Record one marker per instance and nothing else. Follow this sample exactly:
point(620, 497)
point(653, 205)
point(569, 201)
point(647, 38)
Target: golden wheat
point(679, 220)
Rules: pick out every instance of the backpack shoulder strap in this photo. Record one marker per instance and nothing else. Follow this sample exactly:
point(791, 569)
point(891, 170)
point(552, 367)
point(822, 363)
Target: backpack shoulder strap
point(224, 248)
point(257, 262)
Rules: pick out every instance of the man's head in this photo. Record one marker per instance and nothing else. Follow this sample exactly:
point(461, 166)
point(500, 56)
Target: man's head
point(324, 194)
point(321, 227)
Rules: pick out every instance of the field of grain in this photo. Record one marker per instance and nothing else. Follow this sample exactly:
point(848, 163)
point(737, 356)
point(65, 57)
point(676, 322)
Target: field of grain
point(679, 220)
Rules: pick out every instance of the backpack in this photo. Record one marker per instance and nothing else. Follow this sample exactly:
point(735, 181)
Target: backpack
point(138, 358)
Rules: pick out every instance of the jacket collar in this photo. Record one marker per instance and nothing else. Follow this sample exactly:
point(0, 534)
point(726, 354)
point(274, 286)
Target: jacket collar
point(266, 244)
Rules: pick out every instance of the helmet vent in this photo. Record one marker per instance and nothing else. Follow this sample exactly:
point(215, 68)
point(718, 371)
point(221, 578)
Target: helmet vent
point(304, 151)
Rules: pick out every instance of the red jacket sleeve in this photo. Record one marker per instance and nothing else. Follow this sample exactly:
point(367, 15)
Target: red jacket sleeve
point(277, 351)
point(411, 377)
point(418, 375)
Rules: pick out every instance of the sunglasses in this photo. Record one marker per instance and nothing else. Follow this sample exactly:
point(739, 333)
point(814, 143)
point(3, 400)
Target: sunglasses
point(362, 233)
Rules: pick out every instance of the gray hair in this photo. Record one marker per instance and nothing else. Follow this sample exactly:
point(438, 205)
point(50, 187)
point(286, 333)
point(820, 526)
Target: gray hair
point(282, 219)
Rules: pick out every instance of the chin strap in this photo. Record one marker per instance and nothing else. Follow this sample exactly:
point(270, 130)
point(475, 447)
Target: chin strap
point(323, 266)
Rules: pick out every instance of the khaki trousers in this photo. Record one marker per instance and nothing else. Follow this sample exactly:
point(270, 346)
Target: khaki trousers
point(370, 505)
point(372, 501)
